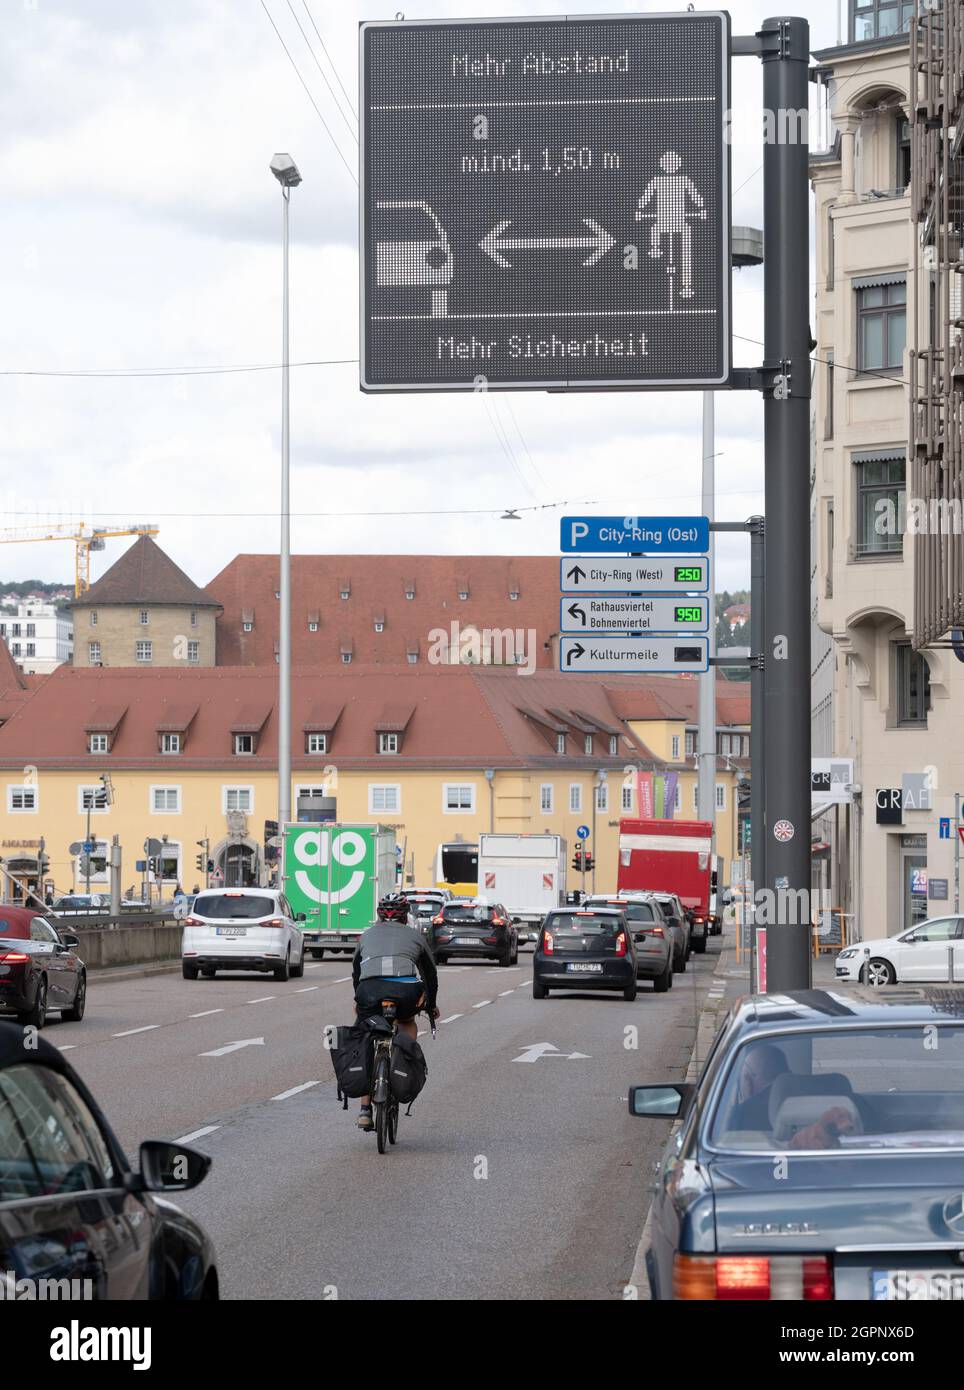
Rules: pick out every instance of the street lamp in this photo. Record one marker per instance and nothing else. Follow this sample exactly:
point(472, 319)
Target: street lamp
point(286, 172)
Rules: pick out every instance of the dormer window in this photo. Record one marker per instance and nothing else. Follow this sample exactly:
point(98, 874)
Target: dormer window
point(388, 743)
point(346, 658)
point(244, 744)
point(98, 743)
point(247, 627)
point(613, 745)
point(379, 627)
point(247, 619)
point(463, 593)
point(587, 744)
point(316, 743)
point(560, 743)
point(409, 591)
point(312, 627)
point(170, 743)
point(344, 588)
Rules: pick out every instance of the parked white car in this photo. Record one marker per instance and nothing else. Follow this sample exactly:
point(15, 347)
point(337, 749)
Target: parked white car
point(929, 952)
point(242, 929)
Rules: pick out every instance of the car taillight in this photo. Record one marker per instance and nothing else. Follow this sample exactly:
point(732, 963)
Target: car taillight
point(621, 944)
point(490, 940)
point(498, 922)
point(14, 957)
point(656, 931)
point(275, 922)
point(192, 922)
point(768, 1278)
point(547, 944)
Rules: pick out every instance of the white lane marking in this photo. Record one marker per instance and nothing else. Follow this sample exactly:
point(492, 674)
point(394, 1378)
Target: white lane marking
point(306, 989)
point(205, 1012)
point(196, 1134)
point(315, 965)
point(482, 1003)
point(263, 999)
point(233, 1047)
point(451, 1018)
point(305, 1086)
point(504, 992)
point(343, 980)
point(67, 1047)
point(128, 1032)
point(502, 970)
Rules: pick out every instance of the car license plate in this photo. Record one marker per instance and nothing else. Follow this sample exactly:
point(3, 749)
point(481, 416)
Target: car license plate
point(585, 969)
point(904, 1285)
point(465, 941)
point(231, 931)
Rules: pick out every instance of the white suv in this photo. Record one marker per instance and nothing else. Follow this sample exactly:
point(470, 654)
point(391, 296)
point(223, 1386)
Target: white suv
point(242, 929)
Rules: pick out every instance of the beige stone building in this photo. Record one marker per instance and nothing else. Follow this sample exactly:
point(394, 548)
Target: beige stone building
point(894, 711)
point(145, 612)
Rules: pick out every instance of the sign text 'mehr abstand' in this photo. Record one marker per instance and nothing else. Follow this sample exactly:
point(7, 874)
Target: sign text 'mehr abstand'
point(545, 203)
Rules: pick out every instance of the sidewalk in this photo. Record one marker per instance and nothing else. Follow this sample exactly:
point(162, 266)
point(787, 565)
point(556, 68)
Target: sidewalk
point(731, 980)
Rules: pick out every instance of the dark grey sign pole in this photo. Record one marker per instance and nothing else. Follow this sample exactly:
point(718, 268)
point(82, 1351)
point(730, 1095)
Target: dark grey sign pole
point(758, 871)
point(786, 646)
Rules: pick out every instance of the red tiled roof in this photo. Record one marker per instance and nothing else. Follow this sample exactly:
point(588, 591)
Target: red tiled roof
point(378, 584)
point(668, 697)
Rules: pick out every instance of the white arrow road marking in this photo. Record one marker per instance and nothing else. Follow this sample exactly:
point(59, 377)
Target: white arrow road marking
point(206, 1012)
point(295, 1090)
point(196, 1134)
point(534, 1051)
point(493, 243)
point(233, 1047)
point(451, 1018)
point(129, 1032)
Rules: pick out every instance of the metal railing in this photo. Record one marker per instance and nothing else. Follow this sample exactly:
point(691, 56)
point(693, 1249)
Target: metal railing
point(936, 427)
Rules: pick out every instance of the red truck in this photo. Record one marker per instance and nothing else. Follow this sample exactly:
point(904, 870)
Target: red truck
point(671, 856)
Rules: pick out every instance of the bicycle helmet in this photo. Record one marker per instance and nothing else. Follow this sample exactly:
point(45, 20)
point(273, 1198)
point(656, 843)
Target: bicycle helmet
point(393, 908)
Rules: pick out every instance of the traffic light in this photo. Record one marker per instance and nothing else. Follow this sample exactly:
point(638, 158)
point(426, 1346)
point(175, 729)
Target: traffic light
point(210, 866)
point(577, 858)
point(199, 863)
point(590, 862)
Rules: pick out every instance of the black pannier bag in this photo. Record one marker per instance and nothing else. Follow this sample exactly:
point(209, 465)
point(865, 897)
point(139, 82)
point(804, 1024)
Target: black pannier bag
point(352, 1054)
point(408, 1069)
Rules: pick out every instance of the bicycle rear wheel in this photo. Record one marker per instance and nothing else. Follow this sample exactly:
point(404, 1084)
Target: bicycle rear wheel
point(393, 1121)
point(382, 1108)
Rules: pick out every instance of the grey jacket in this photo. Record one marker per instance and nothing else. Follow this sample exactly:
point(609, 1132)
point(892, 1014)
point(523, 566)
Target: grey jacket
point(389, 949)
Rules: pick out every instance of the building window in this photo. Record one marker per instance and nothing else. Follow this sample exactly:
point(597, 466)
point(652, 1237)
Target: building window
point(560, 743)
point(194, 652)
point(238, 798)
point(458, 796)
point(913, 686)
point(881, 487)
point(244, 743)
point(97, 743)
point(346, 658)
point(575, 798)
point(546, 798)
point(388, 743)
point(379, 627)
point(674, 748)
point(194, 617)
point(903, 152)
point(15, 630)
point(247, 627)
point(312, 627)
point(613, 745)
point(678, 798)
point(317, 743)
point(602, 796)
point(410, 593)
point(721, 796)
point(587, 744)
point(170, 743)
point(144, 651)
point(412, 658)
point(881, 327)
point(384, 797)
point(22, 799)
point(93, 617)
point(879, 19)
point(463, 593)
point(690, 744)
point(93, 653)
point(165, 800)
point(626, 800)
point(31, 649)
point(31, 630)
point(345, 591)
point(144, 617)
point(14, 648)
point(828, 414)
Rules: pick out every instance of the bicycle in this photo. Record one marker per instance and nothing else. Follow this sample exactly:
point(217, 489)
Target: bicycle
point(384, 1104)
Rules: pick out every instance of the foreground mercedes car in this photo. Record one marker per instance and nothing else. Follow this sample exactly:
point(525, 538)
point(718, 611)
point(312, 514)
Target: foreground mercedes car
point(820, 1155)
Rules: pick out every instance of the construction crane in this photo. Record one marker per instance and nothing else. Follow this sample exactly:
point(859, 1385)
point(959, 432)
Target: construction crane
point(85, 538)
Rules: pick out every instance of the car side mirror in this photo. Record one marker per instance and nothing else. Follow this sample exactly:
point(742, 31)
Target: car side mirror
point(516, 920)
point(301, 917)
point(69, 940)
point(662, 1102)
point(168, 1167)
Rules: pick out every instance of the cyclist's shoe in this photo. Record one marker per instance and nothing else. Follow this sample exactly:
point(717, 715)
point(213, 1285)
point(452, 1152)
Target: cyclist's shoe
point(365, 1121)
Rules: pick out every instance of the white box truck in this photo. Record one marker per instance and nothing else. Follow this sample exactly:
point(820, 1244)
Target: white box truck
point(526, 873)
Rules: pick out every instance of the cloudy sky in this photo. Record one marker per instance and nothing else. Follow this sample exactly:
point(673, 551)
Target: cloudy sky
point(141, 232)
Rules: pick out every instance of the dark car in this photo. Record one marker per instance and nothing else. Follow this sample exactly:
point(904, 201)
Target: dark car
point(71, 1207)
point(679, 924)
point(39, 970)
point(820, 1155)
point(481, 930)
point(651, 933)
point(585, 948)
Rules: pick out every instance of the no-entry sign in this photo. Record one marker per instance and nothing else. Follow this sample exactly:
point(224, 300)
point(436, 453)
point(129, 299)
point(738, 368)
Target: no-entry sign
point(545, 203)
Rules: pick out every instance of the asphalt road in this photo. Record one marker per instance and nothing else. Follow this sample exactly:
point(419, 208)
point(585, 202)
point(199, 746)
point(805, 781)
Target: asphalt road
point(511, 1179)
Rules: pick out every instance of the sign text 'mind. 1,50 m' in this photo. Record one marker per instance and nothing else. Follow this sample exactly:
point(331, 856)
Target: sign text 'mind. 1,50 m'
point(545, 203)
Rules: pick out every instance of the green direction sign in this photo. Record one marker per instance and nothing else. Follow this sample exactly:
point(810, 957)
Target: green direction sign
point(329, 874)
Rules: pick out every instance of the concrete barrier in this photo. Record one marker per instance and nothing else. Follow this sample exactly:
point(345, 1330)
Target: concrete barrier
point(126, 945)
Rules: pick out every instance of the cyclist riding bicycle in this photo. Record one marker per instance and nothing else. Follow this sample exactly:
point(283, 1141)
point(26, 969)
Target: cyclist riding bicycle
point(392, 962)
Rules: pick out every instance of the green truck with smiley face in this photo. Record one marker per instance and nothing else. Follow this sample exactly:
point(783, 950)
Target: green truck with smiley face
point(335, 874)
